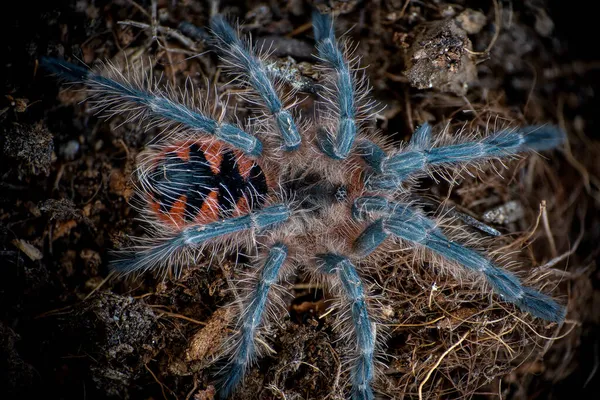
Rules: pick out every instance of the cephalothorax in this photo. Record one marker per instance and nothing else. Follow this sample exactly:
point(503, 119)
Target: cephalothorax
point(323, 195)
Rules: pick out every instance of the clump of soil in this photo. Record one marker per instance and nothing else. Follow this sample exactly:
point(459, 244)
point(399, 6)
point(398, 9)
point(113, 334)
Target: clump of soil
point(440, 57)
point(29, 148)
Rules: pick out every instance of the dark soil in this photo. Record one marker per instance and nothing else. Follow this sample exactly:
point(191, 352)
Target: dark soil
point(68, 331)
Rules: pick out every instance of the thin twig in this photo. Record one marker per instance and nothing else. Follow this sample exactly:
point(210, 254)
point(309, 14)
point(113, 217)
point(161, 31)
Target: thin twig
point(549, 235)
point(498, 22)
point(558, 259)
point(154, 20)
point(415, 325)
point(439, 361)
point(175, 315)
point(162, 385)
point(169, 32)
point(94, 290)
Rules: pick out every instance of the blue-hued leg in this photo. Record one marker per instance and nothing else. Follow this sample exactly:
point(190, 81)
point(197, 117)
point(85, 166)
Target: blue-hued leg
point(370, 238)
point(154, 104)
point(330, 53)
point(253, 70)
point(374, 155)
point(421, 138)
point(410, 225)
point(371, 153)
point(501, 144)
point(414, 227)
point(386, 183)
point(156, 256)
point(256, 220)
point(368, 205)
point(364, 329)
point(250, 320)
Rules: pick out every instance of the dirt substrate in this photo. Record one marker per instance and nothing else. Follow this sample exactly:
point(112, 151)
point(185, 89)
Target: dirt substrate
point(68, 331)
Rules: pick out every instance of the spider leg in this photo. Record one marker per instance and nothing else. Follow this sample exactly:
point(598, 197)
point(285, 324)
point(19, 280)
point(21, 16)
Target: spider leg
point(158, 255)
point(408, 224)
point(118, 95)
point(500, 144)
point(241, 56)
point(374, 155)
point(420, 155)
point(421, 139)
point(338, 146)
point(251, 319)
point(371, 153)
point(364, 328)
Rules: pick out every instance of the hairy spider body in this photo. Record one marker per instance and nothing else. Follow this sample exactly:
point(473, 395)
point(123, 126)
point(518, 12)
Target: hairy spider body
point(324, 196)
point(199, 182)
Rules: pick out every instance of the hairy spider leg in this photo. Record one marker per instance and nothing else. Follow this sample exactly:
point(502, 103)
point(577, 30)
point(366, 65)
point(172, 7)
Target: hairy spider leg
point(408, 224)
point(374, 155)
point(421, 138)
point(364, 328)
point(153, 104)
point(250, 320)
point(145, 259)
point(363, 208)
point(420, 155)
point(501, 144)
point(241, 56)
point(371, 153)
point(336, 145)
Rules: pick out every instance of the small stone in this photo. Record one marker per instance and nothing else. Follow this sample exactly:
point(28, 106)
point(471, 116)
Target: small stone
point(505, 214)
point(471, 21)
point(70, 150)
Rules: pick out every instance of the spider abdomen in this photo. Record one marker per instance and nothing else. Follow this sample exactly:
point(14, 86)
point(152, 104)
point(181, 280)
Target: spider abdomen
point(200, 181)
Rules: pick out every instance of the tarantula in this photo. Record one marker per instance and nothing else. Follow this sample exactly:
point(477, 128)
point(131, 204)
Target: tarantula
point(324, 195)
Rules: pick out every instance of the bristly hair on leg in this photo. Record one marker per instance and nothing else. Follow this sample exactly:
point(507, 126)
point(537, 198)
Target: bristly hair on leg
point(423, 154)
point(344, 98)
point(160, 253)
point(253, 308)
point(500, 144)
point(408, 224)
point(251, 71)
point(143, 101)
point(363, 328)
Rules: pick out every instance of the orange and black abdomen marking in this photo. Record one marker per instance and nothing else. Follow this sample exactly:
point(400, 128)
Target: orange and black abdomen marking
point(199, 182)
